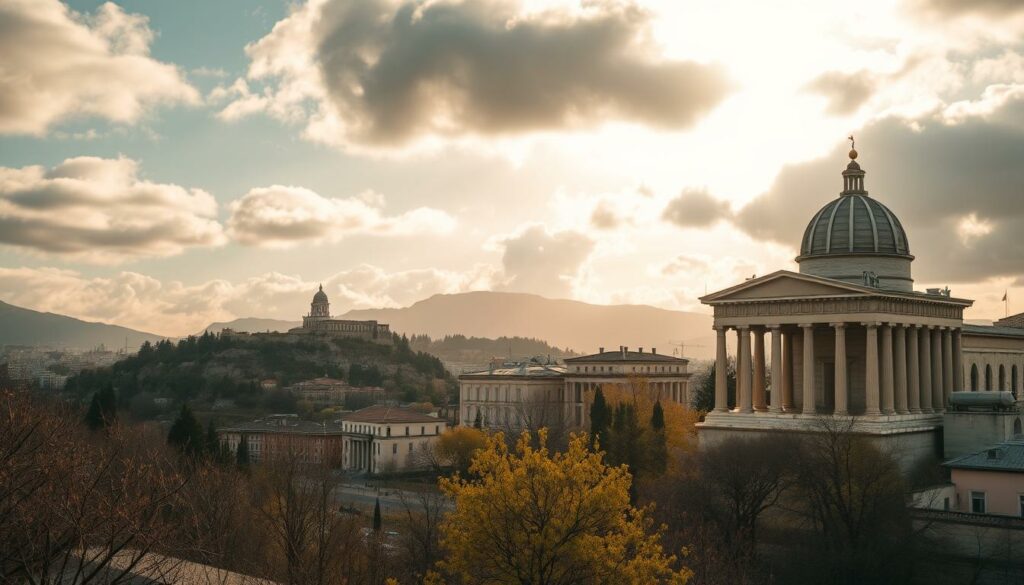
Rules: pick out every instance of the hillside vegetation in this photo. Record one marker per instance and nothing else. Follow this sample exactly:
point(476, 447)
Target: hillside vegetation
point(210, 367)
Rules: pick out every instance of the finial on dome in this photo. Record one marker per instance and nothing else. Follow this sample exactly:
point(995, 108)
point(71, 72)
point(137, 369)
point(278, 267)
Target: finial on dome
point(321, 288)
point(853, 147)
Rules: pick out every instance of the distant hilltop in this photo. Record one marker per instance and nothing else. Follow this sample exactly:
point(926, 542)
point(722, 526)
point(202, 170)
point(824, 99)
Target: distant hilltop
point(580, 326)
point(20, 326)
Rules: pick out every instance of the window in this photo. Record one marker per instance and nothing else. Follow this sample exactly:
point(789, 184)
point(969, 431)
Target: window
point(423, 429)
point(406, 431)
point(978, 502)
point(394, 448)
point(389, 431)
point(437, 429)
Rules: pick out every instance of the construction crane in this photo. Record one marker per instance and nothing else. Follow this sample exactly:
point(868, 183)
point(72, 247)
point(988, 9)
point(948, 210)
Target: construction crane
point(680, 345)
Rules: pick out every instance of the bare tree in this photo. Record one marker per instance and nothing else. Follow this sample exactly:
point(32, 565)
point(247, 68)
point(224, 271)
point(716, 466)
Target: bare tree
point(78, 507)
point(419, 527)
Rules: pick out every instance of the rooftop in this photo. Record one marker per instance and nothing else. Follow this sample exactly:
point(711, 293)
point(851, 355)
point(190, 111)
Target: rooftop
point(289, 424)
point(994, 330)
point(521, 370)
point(383, 413)
point(1008, 456)
point(625, 355)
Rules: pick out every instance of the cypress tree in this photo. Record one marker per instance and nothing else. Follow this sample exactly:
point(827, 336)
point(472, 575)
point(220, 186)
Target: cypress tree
point(599, 419)
point(478, 422)
point(376, 516)
point(186, 433)
point(102, 409)
point(659, 450)
point(214, 448)
point(242, 454)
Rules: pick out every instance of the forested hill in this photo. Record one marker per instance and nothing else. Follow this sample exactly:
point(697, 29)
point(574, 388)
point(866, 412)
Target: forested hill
point(478, 350)
point(204, 369)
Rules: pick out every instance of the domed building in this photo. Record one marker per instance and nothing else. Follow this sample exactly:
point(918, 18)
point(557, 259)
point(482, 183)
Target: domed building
point(319, 321)
point(846, 336)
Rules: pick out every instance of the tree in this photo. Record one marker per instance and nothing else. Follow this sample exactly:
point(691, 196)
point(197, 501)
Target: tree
point(535, 517)
point(456, 447)
point(376, 515)
point(102, 411)
point(478, 422)
point(242, 453)
point(659, 444)
point(599, 418)
point(187, 434)
point(213, 446)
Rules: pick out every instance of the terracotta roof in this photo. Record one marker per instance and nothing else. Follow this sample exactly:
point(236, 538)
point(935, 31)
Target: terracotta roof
point(383, 413)
point(627, 356)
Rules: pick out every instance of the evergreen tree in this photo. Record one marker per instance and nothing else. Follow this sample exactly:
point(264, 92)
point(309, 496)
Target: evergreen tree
point(478, 422)
point(242, 454)
point(186, 433)
point(704, 397)
point(103, 409)
point(599, 420)
point(659, 447)
point(376, 516)
point(215, 449)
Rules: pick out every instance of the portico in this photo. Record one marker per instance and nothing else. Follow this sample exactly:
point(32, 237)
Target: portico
point(836, 348)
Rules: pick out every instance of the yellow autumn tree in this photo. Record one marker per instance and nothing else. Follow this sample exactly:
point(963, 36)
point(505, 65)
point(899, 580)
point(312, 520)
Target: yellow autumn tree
point(530, 516)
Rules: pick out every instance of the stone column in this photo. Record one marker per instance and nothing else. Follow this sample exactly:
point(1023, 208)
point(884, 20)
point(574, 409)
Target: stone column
point(759, 381)
point(913, 370)
point(888, 403)
point(938, 404)
point(958, 363)
point(947, 365)
point(778, 383)
point(926, 369)
point(842, 394)
point(744, 400)
point(871, 370)
point(899, 362)
point(808, 368)
point(787, 371)
point(721, 371)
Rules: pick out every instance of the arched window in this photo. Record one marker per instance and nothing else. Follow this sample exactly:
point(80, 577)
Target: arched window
point(988, 376)
point(1017, 428)
point(974, 377)
point(1013, 379)
point(1002, 377)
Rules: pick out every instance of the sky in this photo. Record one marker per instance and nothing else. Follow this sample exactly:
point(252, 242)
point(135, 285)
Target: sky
point(164, 165)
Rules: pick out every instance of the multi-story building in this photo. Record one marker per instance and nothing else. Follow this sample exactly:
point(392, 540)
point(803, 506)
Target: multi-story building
point(319, 320)
point(388, 439)
point(534, 395)
point(285, 436)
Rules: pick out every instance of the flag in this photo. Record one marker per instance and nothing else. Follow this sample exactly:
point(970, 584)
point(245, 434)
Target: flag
point(1004, 296)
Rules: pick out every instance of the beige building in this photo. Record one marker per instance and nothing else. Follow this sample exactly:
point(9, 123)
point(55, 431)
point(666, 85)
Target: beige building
point(849, 336)
point(532, 395)
point(388, 439)
point(990, 481)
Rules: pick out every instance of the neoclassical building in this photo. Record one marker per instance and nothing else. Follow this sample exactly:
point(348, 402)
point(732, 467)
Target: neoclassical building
point(532, 395)
point(319, 320)
point(848, 335)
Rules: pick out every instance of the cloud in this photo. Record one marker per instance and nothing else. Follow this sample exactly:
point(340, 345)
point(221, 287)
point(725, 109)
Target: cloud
point(175, 309)
point(991, 8)
point(385, 73)
point(56, 64)
point(541, 262)
point(282, 216)
point(954, 180)
point(845, 92)
point(99, 210)
point(696, 208)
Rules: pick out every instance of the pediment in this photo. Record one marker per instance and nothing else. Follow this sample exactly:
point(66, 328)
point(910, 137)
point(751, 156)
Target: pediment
point(785, 284)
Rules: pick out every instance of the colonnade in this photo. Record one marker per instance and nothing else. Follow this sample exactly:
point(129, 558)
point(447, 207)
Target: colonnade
point(908, 369)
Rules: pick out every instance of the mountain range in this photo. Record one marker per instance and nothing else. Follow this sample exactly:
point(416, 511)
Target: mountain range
point(573, 325)
point(20, 326)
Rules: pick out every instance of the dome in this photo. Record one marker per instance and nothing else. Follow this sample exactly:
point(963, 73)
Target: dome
point(320, 296)
point(857, 239)
point(854, 224)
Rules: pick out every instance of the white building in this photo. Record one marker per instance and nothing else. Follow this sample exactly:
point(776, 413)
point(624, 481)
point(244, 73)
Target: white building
point(388, 439)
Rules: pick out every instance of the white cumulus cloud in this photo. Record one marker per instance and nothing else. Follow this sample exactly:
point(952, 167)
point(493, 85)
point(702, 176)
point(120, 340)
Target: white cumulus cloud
point(56, 64)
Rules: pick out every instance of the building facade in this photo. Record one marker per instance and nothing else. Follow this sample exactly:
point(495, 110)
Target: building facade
point(990, 481)
point(284, 436)
point(319, 320)
point(387, 439)
point(848, 336)
point(532, 395)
